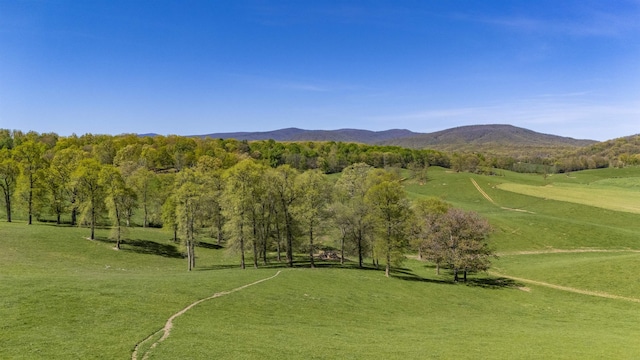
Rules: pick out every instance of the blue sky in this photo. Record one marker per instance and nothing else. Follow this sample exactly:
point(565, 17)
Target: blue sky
point(569, 68)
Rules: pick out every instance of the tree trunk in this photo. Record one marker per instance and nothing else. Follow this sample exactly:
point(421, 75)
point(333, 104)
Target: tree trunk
point(388, 268)
point(193, 255)
point(465, 275)
point(74, 216)
point(145, 219)
point(437, 268)
point(219, 226)
point(31, 201)
point(255, 254)
point(265, 236)
point(242, 247)
point(360, 248)
point(455, 275)
point(278, 241)
point(188, 255)
point(255, 243)
point(93, 222)
point(58, 218)
point(289, 233)
point(342, 248)
point(7, 201)
point(313, 265)
point(118, 239)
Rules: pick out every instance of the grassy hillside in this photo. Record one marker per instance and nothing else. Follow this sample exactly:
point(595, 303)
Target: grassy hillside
point(575, 293)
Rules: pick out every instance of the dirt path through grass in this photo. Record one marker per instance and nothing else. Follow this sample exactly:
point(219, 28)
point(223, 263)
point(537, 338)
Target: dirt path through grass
point(166, 330)
point(567, 288)
point(566, 251)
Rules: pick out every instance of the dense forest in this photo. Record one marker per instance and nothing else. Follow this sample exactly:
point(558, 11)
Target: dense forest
point(256, 198)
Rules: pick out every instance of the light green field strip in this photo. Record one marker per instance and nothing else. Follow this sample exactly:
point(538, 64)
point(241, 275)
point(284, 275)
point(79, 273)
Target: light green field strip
point(166, 330)
point(627, 200)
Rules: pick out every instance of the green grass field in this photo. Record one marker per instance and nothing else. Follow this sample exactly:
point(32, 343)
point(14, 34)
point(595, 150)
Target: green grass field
point(65, 297)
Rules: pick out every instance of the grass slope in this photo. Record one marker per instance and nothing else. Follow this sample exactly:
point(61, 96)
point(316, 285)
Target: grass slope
point(63, 296)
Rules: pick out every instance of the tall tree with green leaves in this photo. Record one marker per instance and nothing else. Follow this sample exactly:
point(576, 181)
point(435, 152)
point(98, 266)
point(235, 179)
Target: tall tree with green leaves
point(466, 235)
point(392, 210)
point(9, 172)
point(58, 180)
point(240, 204)
point(30, 156)
point(145, 183)
point(355, 216)
point(286, 195)
point(91, 191)
point(311, 209)
point(425, 229)
point(118, 199)
point(210, 170)
point(169, 217)
point(188, 210)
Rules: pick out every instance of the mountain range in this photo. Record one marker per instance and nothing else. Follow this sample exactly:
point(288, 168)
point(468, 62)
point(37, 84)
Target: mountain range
point(460, 138)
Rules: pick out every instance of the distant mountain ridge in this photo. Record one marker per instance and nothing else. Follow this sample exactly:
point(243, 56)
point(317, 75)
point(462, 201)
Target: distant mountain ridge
point(482, 136)
point(463, 137)
point(295, 134)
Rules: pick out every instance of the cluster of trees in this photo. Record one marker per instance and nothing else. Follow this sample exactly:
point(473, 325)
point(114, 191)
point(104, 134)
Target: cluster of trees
point(223, 190)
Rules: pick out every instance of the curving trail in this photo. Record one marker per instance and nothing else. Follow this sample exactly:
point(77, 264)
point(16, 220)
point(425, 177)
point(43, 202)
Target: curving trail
point(567, 251)
point(166, 330)
point(569, 289)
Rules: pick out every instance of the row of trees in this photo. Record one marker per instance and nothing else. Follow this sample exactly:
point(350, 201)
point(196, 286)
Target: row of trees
point(253, 206)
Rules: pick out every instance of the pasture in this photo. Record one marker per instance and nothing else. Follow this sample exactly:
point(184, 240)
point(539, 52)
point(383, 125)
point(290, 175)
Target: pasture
point(63, 296)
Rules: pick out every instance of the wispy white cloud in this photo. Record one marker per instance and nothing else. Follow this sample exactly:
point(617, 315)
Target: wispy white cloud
point(581, 21)
point(300, 86)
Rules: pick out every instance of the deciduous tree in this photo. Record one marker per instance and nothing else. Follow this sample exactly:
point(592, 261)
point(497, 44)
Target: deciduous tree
point(30, 156)
point(9, 171)
point(388, 199)
point(311, 210)
point(119, 199)
point(90, 190)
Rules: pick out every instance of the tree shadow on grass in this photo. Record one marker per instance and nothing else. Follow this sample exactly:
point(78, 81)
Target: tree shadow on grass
point(494, 283)
point(145, 247)
point(152, 248)
point(206, 245)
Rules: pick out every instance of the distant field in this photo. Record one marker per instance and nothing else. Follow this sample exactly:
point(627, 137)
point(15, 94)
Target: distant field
point(612, 194)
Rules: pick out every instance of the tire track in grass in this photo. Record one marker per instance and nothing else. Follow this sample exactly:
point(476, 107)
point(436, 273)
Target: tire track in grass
point(567, 288)
point(166, 330)
point(486, 196)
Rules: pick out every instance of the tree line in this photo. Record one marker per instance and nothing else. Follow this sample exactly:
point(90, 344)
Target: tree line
point(252, 203)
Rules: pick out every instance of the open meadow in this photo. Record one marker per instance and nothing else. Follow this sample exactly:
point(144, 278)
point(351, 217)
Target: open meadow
point(566, 285)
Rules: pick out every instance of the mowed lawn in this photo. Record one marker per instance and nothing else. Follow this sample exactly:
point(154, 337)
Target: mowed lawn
point(604, 195)
point(65, 297)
